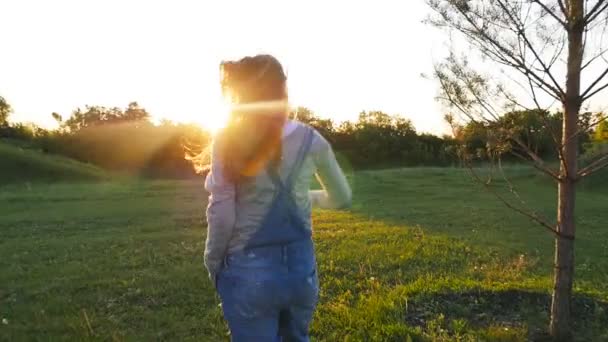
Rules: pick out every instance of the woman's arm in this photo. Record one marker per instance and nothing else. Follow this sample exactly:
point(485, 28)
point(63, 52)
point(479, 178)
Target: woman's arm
point(336, 193)
point(221, 216)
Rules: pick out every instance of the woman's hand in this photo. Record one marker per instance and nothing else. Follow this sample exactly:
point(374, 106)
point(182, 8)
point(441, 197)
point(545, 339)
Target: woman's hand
point(316, 197)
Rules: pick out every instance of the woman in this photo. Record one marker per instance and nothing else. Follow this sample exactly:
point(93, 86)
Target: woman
point(259, 250)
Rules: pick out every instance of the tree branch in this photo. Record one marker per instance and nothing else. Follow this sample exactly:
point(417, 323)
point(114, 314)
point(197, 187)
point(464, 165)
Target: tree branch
point(512, 188)
point(535, 98)
point(448, 93)
point(530, 214)
point(558, 146)
point(508, 59)
point(595, 166)
point(600, 118)
point(483, 103)
point(585, 128)
point(522, 34)
point(599, 55)
point(595, 92)
point(599, 7)
point(562, 7)
point(558, 53)
point(538, 163)
point(551, 13)
point(585, 95)
point(535, 165)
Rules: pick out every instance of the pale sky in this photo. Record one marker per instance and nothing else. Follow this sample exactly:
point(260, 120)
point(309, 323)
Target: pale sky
point(341, 56)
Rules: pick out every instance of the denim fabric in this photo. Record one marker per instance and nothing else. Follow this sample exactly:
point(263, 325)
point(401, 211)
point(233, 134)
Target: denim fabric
point(269, 289)
point(270, 293)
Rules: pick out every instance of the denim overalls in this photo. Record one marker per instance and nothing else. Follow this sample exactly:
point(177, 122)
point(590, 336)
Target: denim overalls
point(269, 290)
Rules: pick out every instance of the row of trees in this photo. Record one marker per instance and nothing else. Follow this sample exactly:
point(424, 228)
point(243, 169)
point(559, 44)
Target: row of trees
point(124, 139)
point(537, 130)
point(377, 140)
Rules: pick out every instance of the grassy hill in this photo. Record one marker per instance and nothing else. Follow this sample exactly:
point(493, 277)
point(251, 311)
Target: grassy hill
point(424, 254)
point(20, 164)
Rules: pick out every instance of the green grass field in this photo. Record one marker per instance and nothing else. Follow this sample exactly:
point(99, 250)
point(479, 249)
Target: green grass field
point(424, 254)
point(22, 164)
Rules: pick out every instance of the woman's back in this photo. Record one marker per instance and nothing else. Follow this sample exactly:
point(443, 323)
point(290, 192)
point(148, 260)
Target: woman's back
point(254, 195)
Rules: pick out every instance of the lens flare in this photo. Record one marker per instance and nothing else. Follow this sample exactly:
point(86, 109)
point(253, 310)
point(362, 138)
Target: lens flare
point(217, 117)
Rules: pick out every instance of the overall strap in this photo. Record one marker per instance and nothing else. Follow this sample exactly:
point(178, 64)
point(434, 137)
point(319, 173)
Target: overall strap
point(297, 165)
point(284, 222)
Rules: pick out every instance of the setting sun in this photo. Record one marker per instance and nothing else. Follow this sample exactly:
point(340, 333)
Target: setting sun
point(216, 116)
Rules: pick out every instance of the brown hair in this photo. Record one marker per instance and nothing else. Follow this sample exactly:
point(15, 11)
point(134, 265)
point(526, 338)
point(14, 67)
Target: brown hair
point(256, 87)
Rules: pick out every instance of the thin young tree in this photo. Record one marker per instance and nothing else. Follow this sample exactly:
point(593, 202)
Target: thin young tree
point(531, 55)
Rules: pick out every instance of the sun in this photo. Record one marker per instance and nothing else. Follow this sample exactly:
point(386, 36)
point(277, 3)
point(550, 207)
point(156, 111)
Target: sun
point(211, 116)
point(215, 116)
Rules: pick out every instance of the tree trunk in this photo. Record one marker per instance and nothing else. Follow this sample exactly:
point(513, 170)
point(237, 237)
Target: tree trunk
point(564, 265)
point(560, 326)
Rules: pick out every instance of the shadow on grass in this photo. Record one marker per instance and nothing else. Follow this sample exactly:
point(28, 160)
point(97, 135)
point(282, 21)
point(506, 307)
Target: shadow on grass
point(494, 313)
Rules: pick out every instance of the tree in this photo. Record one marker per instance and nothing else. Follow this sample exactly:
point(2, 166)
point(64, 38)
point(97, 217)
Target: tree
point(378, 139)
point(99, 115)
point(5, 111)
point(601, 131)
point(134, 113)
point(533, 128)
point(307, 116)
point(531, 56)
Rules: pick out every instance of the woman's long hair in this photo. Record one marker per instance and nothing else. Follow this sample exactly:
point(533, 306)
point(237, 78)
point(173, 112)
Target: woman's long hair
point(256, 88)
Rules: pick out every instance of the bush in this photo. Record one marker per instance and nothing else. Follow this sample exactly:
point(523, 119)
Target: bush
point(599, 179)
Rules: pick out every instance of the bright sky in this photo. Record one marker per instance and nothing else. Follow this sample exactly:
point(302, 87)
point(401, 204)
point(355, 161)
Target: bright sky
point(341, 56)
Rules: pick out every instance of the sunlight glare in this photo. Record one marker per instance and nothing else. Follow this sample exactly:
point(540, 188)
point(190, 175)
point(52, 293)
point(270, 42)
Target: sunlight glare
point(216, 117)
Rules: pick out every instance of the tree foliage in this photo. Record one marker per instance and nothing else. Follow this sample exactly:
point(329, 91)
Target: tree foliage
point(5, 111)
point(98, 115)
point(126, 140)
point(377, 139)
point(601, 131)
